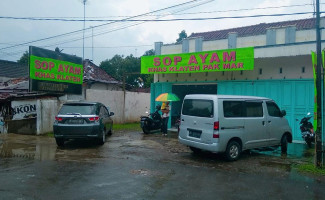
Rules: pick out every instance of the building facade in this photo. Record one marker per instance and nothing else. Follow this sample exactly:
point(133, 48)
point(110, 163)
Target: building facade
point(282, 67)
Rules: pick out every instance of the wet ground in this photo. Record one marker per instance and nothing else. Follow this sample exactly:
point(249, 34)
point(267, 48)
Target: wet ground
point(131, 165)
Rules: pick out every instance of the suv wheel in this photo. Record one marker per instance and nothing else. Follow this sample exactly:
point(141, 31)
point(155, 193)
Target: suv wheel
point(59, 141)
point(110, 131)
point(102, 140)
point(233, 151)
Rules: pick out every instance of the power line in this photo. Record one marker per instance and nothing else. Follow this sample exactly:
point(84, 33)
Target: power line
point(189, 13)
point(157, 20)
point(77, 31)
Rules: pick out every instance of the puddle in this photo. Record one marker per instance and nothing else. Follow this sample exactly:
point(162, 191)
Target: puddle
point(277, 164)
point(30, 151)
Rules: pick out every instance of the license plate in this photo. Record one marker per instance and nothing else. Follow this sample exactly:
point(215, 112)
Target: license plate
point(196, 134)
point(76, 121)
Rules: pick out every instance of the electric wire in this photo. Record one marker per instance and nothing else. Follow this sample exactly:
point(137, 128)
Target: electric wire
point(166, 20)
point(131, 19)
point(123, 25)
point(189, 13)
point(72, 32)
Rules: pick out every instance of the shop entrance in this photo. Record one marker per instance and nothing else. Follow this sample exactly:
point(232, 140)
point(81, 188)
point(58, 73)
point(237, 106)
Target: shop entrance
point(182, 90)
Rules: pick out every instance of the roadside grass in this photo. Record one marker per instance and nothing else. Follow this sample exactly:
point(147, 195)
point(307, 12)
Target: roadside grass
point(309, 167)
point(127, 127)
point(49, 134)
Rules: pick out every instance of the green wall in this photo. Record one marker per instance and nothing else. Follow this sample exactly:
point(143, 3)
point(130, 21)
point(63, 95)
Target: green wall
point(294, 96)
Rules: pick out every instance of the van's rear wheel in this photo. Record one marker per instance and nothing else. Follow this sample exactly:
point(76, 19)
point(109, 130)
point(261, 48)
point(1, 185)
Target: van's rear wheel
point(233, 151)
point(195, 150)
point(284, 144)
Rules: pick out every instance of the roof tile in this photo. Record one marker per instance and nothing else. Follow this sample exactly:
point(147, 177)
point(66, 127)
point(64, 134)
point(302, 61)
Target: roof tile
point(259, 29)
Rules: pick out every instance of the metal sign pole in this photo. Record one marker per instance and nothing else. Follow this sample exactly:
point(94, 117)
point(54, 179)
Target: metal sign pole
point(318, 148)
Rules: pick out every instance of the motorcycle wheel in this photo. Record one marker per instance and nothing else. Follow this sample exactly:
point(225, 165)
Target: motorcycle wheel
point(308, 141)
point(145, 130)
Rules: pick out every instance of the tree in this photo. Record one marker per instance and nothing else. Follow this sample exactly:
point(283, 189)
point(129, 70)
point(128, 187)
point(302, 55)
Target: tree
point(181, 36)
point(130, 66)
point(24, 59)
point(58, 50)
point(150, 52)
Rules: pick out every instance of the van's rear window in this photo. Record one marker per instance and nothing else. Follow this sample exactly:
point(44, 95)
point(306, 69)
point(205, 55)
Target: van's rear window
point(198, 107)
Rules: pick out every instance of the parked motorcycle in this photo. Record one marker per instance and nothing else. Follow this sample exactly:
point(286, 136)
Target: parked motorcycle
point(307, 130)
point(151, 122)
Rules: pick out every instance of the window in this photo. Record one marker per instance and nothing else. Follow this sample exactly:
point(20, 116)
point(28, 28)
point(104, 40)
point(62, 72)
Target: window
point(103, 112)
point(233, 108)
point(198, 108)
point(83, 109)
point(242, 109)
point(254, 109)
point(273, 109)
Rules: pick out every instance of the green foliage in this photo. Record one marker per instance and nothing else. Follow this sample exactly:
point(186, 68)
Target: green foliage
point(24, 58)
point(130, 66)
point(181, 36)
point(150, 52)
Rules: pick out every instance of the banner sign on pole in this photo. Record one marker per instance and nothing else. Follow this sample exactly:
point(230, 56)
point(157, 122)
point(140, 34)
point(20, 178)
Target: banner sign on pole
point(208, 61)
point(314, 60)
point(56, 72)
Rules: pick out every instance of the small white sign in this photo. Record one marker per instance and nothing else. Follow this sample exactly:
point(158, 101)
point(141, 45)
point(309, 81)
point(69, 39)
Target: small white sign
point(24, 109)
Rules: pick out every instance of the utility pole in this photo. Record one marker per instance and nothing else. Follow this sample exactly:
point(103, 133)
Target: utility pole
point(92, 42)
point(319, 69)
point(83, 32)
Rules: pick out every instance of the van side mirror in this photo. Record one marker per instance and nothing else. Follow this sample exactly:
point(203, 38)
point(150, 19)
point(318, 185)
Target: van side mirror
point(283, 113)
point(111, 113)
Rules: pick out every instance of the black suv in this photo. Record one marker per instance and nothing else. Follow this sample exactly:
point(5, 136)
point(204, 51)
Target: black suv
point(82, 120)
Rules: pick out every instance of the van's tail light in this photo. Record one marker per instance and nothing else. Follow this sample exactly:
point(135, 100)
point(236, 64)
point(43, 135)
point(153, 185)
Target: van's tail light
point(59, 119)
point(92, 119)
point(216, 126)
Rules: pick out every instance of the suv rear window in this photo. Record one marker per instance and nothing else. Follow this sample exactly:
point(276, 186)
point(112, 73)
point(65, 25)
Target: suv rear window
point(198, 107)
point(82, 109)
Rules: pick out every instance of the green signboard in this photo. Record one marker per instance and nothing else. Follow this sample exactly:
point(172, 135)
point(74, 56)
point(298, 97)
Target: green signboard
point(52, 71)
point(55, 70)
point(208, 61)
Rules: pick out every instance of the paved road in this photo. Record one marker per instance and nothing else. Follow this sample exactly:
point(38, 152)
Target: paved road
point(131, 165)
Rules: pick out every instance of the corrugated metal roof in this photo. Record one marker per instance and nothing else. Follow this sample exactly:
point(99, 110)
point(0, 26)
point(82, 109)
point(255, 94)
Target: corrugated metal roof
point(12, 69)
point(259, 29)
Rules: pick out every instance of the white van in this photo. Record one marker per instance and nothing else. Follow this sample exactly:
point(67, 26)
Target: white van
point(231, 124)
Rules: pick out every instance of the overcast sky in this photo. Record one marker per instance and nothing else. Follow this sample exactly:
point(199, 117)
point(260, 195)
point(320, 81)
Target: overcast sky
point(129, 37)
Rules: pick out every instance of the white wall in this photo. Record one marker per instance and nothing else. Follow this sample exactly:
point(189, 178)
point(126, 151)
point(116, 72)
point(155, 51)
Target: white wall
point(46, 112)
point(171, 49)
point(135, 104)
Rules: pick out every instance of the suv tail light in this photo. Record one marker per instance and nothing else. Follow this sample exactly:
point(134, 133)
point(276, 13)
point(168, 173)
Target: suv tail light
point(58, 119)
point(92, 119)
